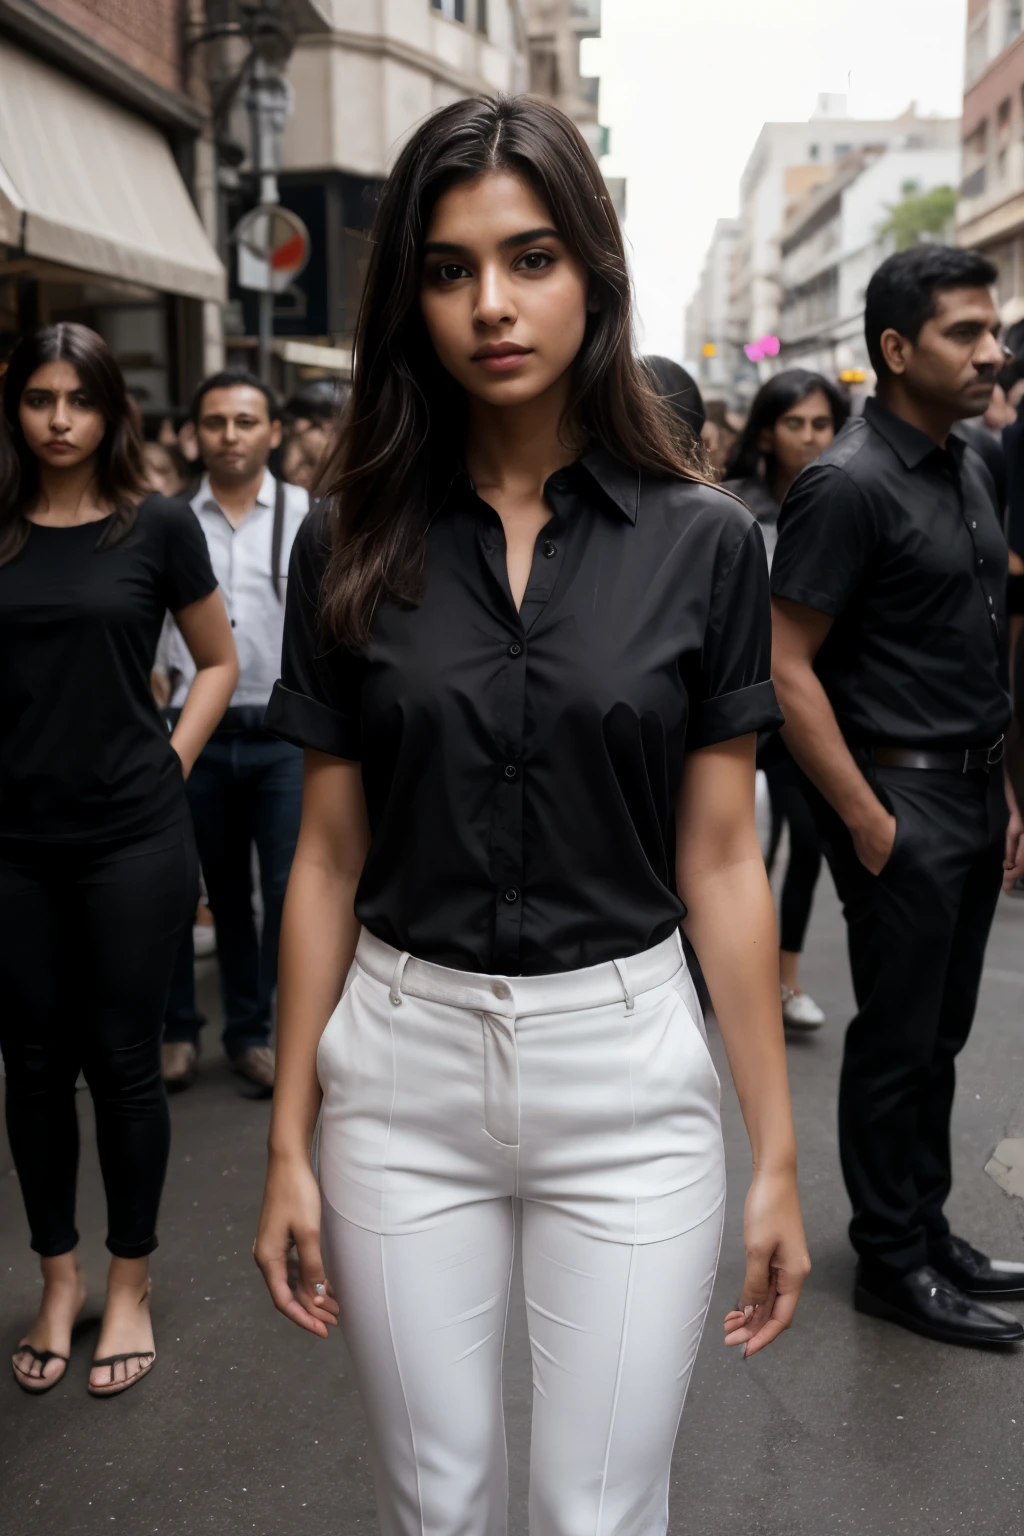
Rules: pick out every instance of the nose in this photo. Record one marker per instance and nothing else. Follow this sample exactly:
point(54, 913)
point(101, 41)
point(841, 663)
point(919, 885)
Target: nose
point(494, 304)
point(991, 353)
point(60, 420)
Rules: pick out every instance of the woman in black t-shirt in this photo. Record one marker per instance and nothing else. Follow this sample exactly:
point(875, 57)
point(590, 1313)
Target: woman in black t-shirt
point(98, 872)
point(527, 654)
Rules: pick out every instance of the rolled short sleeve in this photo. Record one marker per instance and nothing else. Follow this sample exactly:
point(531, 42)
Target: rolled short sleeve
point(737, 697)
point(315, 703)
point(188, 574)
point(827, 536)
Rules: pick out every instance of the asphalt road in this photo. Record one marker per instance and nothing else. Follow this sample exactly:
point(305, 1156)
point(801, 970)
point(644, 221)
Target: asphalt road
point(846, 1425)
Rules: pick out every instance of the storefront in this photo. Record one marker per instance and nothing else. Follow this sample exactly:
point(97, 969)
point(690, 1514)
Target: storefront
point(97, 225)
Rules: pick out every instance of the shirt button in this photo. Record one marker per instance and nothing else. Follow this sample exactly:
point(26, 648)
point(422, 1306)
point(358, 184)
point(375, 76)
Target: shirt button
point(502, 989)
point(232, 623)
point(512, 894)
point(974, 525)
point(549, 549)
point(515, 650)
point(980, 560)
point(990, 602)
point(510, 770)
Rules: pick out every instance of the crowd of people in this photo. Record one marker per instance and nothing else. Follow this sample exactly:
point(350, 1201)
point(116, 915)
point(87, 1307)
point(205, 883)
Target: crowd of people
point(482, 725)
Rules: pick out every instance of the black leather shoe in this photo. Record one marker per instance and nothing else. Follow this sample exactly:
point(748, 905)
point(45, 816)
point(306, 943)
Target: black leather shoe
point(926, 1303)
point(974, 1273)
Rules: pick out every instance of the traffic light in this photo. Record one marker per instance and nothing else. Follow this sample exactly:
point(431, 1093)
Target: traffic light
point(852, 376)
point(709, 349)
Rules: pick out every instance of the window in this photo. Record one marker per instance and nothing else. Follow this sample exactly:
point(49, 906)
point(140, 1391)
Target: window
point(1004, 111)
point(815, 151)
point(839, 150)
point(451, 10)
point(976, 57)
point(1014, 20)
point(481, 17)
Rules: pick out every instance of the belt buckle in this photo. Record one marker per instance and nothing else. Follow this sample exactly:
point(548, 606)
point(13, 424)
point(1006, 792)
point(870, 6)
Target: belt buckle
point(995, 753)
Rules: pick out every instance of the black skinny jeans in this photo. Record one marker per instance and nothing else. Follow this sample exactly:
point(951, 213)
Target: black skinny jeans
point(790, 807)
point(89, 940)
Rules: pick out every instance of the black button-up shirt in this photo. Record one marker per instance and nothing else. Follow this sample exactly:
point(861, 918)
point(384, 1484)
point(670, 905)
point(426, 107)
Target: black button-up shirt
point(521, 769)
point(898, 539)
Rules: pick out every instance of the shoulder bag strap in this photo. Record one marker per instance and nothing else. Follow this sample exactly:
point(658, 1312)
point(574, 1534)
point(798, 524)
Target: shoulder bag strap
point(277, 537)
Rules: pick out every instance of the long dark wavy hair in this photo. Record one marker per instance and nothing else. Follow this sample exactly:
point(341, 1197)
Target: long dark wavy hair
point(774, 399)
point(120, 473)
point(403, 432)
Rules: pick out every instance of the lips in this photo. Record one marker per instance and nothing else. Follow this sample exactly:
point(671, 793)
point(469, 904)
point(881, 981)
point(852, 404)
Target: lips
point(501, 356)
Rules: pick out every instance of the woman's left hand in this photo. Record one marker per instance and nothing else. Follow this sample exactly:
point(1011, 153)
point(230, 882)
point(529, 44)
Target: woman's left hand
point(777, 1262)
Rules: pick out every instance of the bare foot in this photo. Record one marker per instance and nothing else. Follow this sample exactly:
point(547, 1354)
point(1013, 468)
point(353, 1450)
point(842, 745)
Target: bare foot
point(127, 1328)
point(63, 1297)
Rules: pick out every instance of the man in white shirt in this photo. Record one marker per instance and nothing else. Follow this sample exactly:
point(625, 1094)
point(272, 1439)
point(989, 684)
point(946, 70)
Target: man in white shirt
point(245, 790)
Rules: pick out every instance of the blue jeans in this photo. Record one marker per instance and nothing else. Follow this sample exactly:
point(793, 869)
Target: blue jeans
point(245, 789)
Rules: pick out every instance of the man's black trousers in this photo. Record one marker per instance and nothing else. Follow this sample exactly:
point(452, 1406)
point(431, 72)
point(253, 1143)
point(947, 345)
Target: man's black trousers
point(917, 934)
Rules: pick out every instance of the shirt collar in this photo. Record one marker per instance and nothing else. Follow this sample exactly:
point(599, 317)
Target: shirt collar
point(911, 445)
point(204, 497)
point(617, 480)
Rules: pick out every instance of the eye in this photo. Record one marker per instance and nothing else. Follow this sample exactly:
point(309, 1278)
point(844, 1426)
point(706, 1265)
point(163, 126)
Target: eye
point(535, 261)
point(450, 272)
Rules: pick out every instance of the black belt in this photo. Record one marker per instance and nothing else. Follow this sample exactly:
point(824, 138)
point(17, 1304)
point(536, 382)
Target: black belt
point(970, 760)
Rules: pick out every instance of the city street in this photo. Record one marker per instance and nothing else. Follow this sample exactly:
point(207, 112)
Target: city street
point(846, 1425)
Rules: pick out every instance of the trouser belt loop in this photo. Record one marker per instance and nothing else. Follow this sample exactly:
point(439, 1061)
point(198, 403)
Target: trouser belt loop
point(627, 991)
point(396, 979)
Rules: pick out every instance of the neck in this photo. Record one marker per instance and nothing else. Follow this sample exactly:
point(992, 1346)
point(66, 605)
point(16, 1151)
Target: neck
point(516, 448)
point(922, 414)
point(68, 495)
point(236, 498)
point(779, 484)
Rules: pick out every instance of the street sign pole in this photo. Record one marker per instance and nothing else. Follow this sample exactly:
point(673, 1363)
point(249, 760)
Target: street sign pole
point(269, 99)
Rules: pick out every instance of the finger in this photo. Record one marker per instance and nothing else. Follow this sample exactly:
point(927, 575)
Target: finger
point(757, 1281)
point(764, 1337)
point(275, 1273)
point(782, 1314)
point(313, 1288)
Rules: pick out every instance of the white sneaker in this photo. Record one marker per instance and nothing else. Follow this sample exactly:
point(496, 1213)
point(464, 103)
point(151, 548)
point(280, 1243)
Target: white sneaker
point(204, 940)
point(800, 1011)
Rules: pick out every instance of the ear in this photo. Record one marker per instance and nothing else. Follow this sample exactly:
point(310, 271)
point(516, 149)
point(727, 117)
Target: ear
point(895, 349)
point(276, 433)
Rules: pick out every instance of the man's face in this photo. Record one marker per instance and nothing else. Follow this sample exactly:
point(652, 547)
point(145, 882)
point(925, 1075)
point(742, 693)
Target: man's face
point(236, 433)
point(954, 361)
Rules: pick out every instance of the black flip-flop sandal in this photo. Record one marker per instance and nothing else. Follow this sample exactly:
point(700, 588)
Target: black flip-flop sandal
point(115, 1388)
point(42, 1357)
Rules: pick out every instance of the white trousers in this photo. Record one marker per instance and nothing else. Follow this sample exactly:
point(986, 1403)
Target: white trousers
point(588, 1101)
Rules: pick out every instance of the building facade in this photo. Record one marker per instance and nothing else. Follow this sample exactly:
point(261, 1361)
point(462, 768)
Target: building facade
point(709, 345)
point(834, 239)
point(990, 216)
point(555, 31)
point(101, 166)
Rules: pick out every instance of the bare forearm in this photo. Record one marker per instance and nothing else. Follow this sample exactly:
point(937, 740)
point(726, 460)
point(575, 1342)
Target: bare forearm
point(319, 931)
point(203, 710)
point(731, 925)
point(812, 735)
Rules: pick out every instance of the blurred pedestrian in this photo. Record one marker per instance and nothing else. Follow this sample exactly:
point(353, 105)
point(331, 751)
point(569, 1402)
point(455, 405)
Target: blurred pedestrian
point(98, 870)
point(245, 791)
point(794, 417)
point(165, 470)
point(312, 416)
point(721, 429)
point(680, 390)
point(890, 658)
point(516, 611)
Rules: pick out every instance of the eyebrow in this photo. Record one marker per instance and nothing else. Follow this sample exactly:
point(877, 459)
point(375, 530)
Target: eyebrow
point(450, 248)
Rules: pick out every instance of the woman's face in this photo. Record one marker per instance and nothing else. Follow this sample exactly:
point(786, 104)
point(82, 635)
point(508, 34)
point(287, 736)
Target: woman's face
point(62, 425)
point(161, 471)
point(503, 298)
point(800, 434)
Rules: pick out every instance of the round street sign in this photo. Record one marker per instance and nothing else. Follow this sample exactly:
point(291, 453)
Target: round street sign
point(273, 247)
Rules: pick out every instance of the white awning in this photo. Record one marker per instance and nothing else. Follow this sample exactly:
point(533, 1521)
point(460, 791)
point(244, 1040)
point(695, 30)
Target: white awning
point(88, 185)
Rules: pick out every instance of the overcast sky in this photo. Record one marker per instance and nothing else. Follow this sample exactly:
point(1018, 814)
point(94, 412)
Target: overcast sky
point(687, 84)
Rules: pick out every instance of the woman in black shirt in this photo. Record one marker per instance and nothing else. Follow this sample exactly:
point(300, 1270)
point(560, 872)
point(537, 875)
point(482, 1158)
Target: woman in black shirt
point(794, 417)
point(527, 653)
point(98, 871)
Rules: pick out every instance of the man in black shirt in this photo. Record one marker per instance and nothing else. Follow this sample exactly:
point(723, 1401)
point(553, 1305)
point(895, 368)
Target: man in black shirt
point(889, 659)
